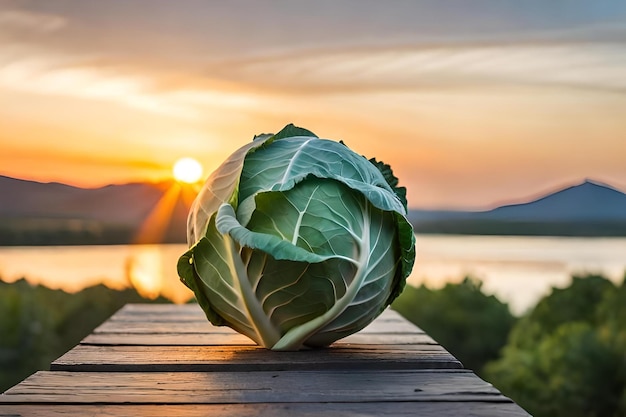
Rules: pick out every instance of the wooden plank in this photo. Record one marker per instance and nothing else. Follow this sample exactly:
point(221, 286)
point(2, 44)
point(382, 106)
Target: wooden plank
point(371, 409)
point(235, 339)
point(171, 312)
point(365, 338)
point(138, 312)
point(95, 358)
point(175, 313)
point(386, 369)
point(159, 308)
point(118, 326)
point(155, 327)
point(167, 339)
point(251, 387)
point(385, 324)
point(390, 325)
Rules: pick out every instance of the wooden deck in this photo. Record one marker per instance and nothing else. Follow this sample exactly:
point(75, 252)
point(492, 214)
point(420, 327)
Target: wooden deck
point(167, 360)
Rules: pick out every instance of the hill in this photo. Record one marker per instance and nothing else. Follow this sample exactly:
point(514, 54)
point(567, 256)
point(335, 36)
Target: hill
point(589, 201)
point(34, 213)
point(587, 209)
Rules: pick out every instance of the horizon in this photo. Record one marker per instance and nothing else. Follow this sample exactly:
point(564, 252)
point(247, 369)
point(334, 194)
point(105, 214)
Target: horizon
point(471, 106)
point(537, 195)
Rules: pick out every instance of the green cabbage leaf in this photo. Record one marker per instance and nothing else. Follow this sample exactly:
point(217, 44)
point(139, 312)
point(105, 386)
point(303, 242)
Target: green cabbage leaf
point(297, 241)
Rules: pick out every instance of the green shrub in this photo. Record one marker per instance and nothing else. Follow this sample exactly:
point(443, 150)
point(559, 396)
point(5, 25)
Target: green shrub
point(471, 325)
point(567, 357)
point(38, 324)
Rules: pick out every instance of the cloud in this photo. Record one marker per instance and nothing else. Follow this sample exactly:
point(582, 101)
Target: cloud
point(49, 76)
point(164, 82)
point(413, 68)
point(20, 20)
point(35, 63)
point(412, 47)
point(46, 73)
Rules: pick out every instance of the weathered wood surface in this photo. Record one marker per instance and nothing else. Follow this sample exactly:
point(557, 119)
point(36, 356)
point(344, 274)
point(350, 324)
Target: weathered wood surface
point(222, 339)
point(198, 346)
point(389, 323)
point(254, 387)
point(162, 360)
point(154, 324)
point(369, 409)
point(251, 358)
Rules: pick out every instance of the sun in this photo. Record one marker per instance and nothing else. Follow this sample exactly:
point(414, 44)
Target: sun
point(187, 170)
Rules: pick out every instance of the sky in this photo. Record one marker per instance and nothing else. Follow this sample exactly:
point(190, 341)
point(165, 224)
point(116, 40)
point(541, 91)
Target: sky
point(472, 102)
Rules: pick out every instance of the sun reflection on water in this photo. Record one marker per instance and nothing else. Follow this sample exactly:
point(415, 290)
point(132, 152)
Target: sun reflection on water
point(151, 270)
point(144, 272)
point(74, 268)
point(148, 267)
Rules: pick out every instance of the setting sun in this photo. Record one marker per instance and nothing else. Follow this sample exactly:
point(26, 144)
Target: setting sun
point(187, 170)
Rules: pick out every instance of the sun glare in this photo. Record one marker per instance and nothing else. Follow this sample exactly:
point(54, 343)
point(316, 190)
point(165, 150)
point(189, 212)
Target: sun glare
point(187, 170)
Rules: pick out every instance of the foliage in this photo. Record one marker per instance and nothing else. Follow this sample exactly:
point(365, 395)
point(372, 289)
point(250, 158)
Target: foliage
point(297, 241)
point(471, 325)
point(567, 356)
point(578, 302)
point(38, 324)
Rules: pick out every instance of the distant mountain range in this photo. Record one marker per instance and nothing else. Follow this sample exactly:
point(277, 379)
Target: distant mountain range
point(34, 213)
point(587, 209)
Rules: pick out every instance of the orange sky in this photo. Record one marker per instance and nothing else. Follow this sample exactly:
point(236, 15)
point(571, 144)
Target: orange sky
point(471, 107)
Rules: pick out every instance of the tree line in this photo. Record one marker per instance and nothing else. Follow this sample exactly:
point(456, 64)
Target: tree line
point(39, 324)
point(564, 357)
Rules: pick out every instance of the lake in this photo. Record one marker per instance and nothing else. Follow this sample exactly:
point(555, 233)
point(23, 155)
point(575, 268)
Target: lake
point(517, 269)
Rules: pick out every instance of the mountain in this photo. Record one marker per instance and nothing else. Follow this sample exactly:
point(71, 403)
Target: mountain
point(587, 201)
point(587, 209)
point(115, 203)
point(34, 213)
point(52, 213)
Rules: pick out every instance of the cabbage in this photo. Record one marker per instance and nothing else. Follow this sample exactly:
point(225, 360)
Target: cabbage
point(297, 241)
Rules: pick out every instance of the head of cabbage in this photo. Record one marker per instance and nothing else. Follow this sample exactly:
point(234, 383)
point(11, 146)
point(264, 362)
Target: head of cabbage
point(297, 241)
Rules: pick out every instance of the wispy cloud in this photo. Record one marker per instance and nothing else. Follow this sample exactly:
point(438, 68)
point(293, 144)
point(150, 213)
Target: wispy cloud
point(584, 56)
point(571, 65)
point(45, 73)
point(30, 62)
point(20, 20)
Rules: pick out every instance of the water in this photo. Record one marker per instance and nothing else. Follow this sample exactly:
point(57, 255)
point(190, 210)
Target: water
point(149, 268)
point(518, 270)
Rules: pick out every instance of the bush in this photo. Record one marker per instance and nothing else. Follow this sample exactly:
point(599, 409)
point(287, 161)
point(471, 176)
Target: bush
point(38, 324)
point(471, 325)
point(567, 356)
